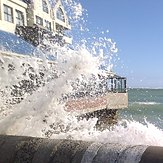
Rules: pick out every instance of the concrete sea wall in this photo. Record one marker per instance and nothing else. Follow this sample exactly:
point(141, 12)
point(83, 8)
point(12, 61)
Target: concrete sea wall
point(19, 149)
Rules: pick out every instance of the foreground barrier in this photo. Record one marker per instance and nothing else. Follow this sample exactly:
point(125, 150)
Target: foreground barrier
point(19, 149)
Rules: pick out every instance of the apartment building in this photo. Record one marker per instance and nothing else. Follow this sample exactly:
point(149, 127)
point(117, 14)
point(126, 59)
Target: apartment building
point(29, 18)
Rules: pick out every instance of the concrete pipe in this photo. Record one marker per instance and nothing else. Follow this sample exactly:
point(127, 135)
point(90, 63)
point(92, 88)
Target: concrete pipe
point(19, 149)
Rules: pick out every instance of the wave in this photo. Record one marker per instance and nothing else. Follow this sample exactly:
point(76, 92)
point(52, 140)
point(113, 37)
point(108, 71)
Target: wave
point(146, 103)
point(125, 132)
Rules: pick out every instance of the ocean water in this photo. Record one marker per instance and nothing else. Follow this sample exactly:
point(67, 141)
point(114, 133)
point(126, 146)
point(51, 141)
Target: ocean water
point(145, 105)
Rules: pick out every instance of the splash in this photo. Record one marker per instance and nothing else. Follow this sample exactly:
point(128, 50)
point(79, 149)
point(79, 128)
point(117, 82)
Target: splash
point(42, 107)
point(40, 112)
point(125, 133)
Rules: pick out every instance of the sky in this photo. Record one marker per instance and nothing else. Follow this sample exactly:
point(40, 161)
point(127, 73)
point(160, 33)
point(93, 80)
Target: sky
point(137, 28)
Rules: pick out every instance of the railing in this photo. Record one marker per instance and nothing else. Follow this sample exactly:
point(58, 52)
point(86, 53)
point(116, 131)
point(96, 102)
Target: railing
point(117, 84)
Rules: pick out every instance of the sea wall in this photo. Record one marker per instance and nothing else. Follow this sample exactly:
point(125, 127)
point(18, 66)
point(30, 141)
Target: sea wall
point(18, 149)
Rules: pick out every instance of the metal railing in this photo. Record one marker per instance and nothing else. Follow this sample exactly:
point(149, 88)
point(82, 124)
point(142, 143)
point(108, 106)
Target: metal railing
point(117, 84)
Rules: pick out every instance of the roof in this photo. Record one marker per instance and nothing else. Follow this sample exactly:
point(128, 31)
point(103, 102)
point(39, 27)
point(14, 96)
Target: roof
point(12, 43)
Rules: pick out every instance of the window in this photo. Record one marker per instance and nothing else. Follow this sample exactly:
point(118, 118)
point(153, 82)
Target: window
point(8, 14)
point(19, 18)
point(60, 15)
point(39, 21)
point(45, 6)
point(48, 25)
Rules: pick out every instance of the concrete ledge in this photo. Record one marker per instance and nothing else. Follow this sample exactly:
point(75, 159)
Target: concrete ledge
point(152, 154)
point(21, 149)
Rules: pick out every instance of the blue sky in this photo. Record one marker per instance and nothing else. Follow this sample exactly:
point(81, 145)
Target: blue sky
point(137, 28)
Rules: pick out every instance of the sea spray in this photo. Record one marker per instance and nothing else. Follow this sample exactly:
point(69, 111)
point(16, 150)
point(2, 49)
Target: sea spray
point(43, 103)
point(42, 115)
point(125, 133)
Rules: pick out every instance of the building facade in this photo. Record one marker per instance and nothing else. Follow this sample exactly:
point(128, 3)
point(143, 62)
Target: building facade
point(18, 15)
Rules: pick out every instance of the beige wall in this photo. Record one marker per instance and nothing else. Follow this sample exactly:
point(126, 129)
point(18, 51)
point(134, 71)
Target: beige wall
point(30, 16)
point(117, 100)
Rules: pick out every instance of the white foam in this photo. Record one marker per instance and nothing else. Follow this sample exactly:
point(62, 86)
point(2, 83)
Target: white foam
point(147, 103)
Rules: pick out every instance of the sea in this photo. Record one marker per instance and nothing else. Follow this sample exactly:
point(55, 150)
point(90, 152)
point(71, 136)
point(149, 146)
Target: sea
point(145, 105)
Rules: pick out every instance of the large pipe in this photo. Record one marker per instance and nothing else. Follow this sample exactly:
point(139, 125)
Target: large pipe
point(19, 149)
